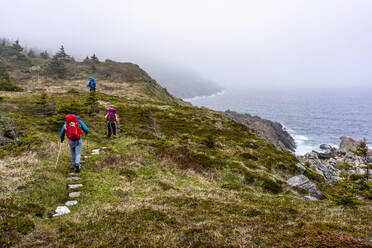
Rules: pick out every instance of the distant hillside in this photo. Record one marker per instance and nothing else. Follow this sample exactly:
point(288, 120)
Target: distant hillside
point(60, 72)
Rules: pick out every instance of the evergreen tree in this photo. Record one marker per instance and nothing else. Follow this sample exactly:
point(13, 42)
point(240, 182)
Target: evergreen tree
point(57, 67)
point(5, 83)
point(42, 102)
point(94, 59)
point(17, 47)
point(62, 55)
point(31, 54)
point(362, 151)
point(44, 55)
point(86, 60)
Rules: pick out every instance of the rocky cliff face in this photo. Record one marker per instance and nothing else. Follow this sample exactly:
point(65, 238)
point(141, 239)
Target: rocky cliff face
point(271, 131)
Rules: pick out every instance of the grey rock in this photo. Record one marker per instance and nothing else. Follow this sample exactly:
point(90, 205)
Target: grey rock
point(71, 203)
point(325, 155)
point(74, 186)
point(74, 194)
point(348, 144)
point(310, 198)
point(360, 171)
point(74, 178)
point(95, 152)
point(325, 147)
point(61, 210)
point(271, 131)
point(300, 168)
point(303, 182)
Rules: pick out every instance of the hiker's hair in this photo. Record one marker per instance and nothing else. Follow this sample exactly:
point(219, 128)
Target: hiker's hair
point(73, 112)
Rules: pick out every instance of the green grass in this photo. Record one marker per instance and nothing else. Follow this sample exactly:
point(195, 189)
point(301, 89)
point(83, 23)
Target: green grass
point(176, 176)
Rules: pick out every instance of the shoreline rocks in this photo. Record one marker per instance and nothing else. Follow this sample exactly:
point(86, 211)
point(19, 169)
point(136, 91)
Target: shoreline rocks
point(332, 162)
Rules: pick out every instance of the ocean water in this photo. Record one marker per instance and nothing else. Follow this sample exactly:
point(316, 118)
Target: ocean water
point(311, 117)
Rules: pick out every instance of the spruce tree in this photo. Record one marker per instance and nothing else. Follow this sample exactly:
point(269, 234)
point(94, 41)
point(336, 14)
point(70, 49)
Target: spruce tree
point(17, 47)
point(44, 55)
point(31, 54)
point(57, 67)
point(62, 55)
point(94, 59)
point(86, 60)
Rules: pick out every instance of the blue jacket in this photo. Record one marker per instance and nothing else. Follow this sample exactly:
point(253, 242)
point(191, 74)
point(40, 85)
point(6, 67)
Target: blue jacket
point(92, 83)
point(82, 125)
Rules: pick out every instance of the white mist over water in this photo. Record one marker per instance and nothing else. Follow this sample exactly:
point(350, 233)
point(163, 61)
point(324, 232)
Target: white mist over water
point(312, 118)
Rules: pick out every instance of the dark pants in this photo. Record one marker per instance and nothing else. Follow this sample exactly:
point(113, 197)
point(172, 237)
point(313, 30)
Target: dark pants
point(93, 89)
point(111, 125)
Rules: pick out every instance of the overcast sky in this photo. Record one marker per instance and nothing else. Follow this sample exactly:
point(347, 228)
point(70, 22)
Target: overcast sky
point(260, 43)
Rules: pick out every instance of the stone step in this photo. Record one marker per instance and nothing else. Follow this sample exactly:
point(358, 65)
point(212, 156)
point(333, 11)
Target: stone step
point(74, 194)
point(74, 186)
point(74, 178)
point(73, 174)
point(71, 203)
point(61, 210)
point(95, 152)
point(87, 156)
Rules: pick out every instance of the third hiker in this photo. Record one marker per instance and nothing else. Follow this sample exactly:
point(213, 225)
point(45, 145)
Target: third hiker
point(92, 84)
point(111, 121)
point(72, 128)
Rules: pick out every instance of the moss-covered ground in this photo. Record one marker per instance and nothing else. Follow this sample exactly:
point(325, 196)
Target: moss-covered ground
point(175, 176)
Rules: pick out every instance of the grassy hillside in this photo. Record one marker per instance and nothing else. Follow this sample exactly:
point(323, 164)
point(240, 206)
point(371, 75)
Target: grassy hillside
point(175, 176)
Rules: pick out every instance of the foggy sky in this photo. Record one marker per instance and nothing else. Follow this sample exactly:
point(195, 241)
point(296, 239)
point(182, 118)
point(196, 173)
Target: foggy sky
point(260, 43)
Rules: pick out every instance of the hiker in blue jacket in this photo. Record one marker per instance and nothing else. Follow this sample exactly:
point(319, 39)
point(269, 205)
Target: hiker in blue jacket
point(92, 84)
point(75, 145)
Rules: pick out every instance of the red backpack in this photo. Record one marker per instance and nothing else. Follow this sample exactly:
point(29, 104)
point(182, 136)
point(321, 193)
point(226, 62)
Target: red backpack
point(73, 130)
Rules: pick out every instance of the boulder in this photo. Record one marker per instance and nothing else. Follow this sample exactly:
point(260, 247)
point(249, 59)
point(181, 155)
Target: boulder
point(325, 155)
point(61, 210)
point(303, 182)
point(310, 198)
point(300, 168)
point(348, 144)
point(8, 132)
point(325, 147)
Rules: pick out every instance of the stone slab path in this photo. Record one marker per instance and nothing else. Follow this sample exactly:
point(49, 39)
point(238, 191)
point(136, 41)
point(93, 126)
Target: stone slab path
point(72, 176)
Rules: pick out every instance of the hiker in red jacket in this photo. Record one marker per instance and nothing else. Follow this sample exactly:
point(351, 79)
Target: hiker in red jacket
point(111, 121)
point(73, 129)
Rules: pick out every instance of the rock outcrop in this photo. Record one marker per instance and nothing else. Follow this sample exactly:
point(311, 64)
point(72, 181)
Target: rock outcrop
point(332, 163)
point(304, 183)
point(8, 132)
point(271, 131)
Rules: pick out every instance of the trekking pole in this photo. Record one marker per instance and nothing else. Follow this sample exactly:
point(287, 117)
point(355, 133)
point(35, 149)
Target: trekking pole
point(59, 152)
point(86, 136)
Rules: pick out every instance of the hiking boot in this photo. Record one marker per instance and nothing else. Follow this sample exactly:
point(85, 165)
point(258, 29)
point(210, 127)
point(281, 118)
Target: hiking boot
point(77, 168)
point(73, 167)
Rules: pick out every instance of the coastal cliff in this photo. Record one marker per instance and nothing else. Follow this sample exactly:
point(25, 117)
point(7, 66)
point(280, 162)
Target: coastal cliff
point(271, 131)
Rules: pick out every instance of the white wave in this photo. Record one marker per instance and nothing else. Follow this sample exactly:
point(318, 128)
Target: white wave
point(300, 139)
point(302, 149)
point(195, 98)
